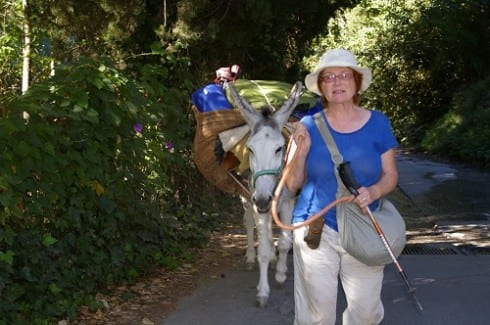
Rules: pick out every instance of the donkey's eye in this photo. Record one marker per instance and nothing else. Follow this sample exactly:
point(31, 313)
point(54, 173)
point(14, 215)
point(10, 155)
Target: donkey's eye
point(250, 151)
point(278, 150)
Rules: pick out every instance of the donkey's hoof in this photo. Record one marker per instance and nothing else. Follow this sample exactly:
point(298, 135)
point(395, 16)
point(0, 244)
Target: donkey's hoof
point(280, 279)
point(262, 301)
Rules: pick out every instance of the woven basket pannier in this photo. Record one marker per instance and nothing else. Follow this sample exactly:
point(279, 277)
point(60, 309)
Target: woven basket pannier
point(208, 127)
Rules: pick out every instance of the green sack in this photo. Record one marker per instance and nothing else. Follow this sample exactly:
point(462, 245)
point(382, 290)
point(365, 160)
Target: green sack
point(269, 93)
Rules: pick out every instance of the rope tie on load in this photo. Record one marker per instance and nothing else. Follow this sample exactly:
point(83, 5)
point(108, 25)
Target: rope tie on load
point(262, 92)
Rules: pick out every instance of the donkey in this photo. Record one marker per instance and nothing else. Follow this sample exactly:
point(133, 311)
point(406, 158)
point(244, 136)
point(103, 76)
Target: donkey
point(266, 146)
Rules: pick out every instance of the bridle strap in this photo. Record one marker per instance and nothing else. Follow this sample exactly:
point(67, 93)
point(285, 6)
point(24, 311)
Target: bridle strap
point(263, 172)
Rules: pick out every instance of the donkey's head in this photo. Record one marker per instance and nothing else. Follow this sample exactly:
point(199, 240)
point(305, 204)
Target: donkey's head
point(266, 145)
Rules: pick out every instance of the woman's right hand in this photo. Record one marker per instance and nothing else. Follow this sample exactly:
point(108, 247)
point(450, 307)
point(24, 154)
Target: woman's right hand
point(301, 137)
point(297, 152)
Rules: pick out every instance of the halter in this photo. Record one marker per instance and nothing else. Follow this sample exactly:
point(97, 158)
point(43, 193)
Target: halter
point(275, 172)
point(263, 172)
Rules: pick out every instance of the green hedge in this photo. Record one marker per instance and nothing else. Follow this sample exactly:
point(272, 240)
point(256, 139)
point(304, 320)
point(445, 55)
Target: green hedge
point(462, 133)
point(93, 191)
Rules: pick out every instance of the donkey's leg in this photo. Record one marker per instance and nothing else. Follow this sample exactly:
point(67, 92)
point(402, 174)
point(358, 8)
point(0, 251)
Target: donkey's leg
point(286, 207)
point(264, 253)
point(273, 257)
point(248, 221)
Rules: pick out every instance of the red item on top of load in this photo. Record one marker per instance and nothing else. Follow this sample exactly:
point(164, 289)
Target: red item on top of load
point(227, 74)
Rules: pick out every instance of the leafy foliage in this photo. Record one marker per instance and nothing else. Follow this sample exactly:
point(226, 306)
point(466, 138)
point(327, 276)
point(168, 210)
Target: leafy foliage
point(266, 38)
point(421, 52)
point(10, 61)
point(92, 192)
point(462, 133)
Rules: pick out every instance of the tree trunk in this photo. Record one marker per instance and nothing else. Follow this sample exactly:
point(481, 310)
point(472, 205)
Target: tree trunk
point(27, 46)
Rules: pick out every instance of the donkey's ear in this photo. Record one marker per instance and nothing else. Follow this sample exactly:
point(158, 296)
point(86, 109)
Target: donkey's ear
point(249, 113)
point(282, 114)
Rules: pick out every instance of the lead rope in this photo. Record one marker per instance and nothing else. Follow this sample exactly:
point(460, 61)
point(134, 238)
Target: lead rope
point(280, 185)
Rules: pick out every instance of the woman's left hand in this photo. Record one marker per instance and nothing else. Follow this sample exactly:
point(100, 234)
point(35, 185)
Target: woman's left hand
point(364, 199)
point(386, 183)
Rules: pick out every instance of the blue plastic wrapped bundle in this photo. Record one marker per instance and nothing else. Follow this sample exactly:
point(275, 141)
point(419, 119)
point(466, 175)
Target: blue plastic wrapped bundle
point(210, 98)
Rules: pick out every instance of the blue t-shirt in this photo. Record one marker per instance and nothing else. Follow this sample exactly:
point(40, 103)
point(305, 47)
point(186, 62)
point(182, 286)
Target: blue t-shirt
point(362, 148)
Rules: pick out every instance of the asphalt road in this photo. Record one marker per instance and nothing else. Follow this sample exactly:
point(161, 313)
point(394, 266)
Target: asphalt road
point(451, 284)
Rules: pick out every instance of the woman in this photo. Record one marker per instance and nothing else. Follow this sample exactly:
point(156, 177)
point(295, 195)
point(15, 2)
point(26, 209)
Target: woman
point(365, 139)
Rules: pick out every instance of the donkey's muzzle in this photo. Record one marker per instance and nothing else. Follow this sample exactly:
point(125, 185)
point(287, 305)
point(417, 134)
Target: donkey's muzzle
point(262, 203)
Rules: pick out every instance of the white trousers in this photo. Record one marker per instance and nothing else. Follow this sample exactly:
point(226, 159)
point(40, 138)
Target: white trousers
point(316, 274)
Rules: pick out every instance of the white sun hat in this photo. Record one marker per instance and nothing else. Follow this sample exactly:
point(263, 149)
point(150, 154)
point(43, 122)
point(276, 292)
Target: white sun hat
point(337, 58)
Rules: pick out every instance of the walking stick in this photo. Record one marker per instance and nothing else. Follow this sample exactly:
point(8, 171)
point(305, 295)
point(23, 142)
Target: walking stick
point(345, 173)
